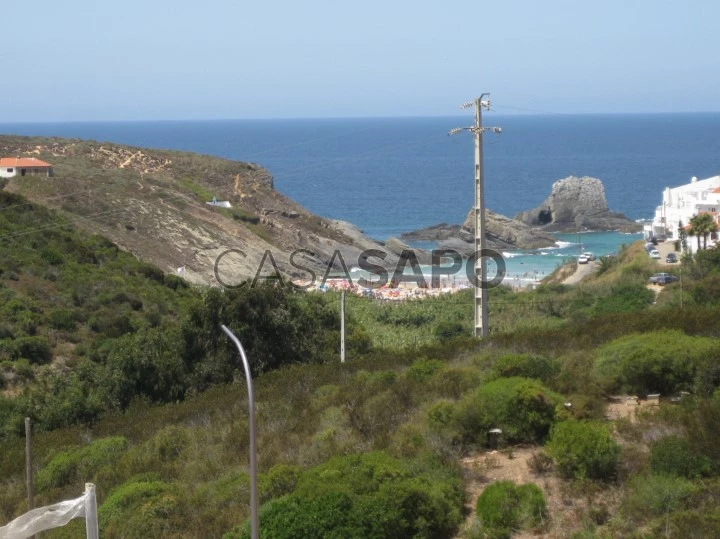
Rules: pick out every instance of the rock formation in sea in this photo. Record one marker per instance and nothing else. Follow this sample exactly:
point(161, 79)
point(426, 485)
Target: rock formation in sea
point(502, 233)
point(577, 204)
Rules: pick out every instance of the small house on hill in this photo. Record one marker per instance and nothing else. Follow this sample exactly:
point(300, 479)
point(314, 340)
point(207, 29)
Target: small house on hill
point(23, 166)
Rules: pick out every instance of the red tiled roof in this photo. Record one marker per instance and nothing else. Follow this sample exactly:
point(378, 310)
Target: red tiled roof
point(23, 162)
point(716, 190)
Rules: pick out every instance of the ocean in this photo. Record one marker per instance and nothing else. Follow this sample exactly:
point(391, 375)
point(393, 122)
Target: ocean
point(392, 175)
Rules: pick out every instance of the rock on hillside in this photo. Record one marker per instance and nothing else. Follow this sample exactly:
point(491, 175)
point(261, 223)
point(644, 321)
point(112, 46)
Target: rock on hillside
point(153, 203)
point(577, 204)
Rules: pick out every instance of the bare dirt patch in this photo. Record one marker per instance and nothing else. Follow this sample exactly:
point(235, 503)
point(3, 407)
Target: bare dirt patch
point(482, 469)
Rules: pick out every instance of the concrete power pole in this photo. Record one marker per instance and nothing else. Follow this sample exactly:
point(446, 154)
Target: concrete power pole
point(481, 292)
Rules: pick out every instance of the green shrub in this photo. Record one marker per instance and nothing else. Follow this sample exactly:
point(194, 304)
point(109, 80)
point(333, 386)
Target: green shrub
point(138, 508)
point(81, 464)
point(147, 363)
point(448, 329)
point(34, 349)
point(583, 449)
point(453, 382)
point(625, 297)
point(51, 256)
point(62, 319)
point(673, 455)
point(657, 361)
point(278, 481)
point(527, 366)
point(691, 524)
point(504, 508)
point(366, 496)
point(523, 408)
point(423, 368)
point(657, 495)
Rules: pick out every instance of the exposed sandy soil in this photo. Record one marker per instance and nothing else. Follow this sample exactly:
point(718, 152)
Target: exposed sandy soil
point(582, 271)
point(566, 508)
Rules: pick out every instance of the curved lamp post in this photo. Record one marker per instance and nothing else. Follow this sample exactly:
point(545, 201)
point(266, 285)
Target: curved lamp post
point(254, 520)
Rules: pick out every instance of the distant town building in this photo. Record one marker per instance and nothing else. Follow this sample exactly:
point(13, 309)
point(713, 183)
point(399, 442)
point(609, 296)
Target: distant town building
point(23, 166)
point(680, 204)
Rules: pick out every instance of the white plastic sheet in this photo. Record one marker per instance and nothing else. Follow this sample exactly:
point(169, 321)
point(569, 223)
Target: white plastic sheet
point(45, 518)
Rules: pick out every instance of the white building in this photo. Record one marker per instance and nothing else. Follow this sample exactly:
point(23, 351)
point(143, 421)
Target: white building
point(680, 204)
point(23, 166)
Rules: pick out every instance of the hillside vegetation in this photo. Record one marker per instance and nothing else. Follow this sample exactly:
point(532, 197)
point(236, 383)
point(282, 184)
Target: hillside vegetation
point(131, 385)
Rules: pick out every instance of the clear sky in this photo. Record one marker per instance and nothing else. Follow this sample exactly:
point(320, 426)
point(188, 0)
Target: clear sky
point(192, 59)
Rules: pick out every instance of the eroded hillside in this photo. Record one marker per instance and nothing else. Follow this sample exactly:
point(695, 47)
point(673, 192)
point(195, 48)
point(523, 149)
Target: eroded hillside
point(153, 203)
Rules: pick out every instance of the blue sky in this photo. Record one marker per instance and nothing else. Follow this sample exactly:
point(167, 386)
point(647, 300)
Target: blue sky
point(183, 59)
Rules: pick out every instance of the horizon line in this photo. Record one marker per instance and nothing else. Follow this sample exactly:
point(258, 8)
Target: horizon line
point(526, 113)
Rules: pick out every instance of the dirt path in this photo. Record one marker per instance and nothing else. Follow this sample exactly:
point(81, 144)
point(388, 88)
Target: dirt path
point(582, 271)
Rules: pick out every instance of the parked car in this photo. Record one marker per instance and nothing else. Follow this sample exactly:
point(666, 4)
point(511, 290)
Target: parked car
point(582, 259)
point(662, 278)
point(655, 254)
point(589, 256)
point(671, 258)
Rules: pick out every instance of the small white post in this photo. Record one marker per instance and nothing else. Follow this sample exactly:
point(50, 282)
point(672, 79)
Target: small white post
point(342, 326)
point(91, 519)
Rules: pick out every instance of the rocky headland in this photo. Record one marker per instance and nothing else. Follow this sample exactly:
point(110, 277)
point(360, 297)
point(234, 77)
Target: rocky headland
point(155, 205)
point(574, 205)
point(502, 233)
point(577, 204)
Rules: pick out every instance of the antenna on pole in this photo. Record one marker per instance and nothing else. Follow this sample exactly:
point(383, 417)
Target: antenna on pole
point(481, 292)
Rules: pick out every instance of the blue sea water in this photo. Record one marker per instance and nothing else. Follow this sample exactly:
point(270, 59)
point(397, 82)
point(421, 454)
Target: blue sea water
point(392, 175)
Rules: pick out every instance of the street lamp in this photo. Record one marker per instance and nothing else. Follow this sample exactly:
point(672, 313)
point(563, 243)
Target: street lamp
point(254, 519)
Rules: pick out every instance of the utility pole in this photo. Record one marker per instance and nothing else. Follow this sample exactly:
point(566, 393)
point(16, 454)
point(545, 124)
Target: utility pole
point(481, 292)
point(342, 326)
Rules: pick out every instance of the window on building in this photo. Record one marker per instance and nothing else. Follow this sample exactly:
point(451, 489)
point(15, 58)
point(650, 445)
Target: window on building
point(10, 170)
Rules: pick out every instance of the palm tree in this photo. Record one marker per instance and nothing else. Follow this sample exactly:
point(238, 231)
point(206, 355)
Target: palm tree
point(702, 224)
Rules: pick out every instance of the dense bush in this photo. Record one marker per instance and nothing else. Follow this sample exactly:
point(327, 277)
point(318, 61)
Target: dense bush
point(423, 369)
point(654, 362)
point(625, 297)
point(675, 456)
point(35, 349)
point(448, 329)
point(657, 495)
point(79, 466)
point(138, 508)
point(526, 366)
point(366, 496)
point(148, 363)
point(523, 408)
point(277, 325)
point(279, 480)
point(583, 449)
point(504, 508)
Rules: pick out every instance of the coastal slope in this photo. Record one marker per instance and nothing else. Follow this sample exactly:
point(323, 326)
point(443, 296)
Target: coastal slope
point(154, 204)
